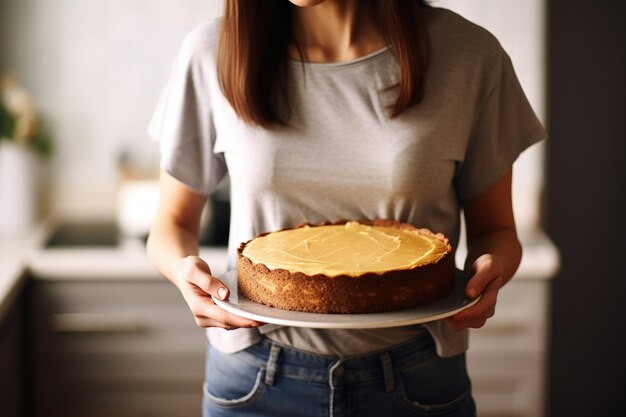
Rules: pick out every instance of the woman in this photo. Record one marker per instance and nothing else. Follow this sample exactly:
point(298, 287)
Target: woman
point(339, 109)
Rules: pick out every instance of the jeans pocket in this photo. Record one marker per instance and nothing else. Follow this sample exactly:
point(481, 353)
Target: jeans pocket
point(231, 382)
point(436, 387)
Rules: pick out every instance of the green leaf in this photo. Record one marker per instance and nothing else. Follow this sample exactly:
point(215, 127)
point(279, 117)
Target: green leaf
point(7, 123)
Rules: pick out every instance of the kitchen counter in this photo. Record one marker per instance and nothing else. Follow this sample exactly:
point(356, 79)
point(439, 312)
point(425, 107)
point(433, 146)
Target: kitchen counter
point(26, 256)
point(125, 261)
point(14, 255)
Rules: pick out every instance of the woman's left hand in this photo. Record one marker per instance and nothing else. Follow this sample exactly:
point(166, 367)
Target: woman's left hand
point(486, 282)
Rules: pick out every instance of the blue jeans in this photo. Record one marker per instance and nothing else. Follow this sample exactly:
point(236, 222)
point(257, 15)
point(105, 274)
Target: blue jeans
point(272, 380)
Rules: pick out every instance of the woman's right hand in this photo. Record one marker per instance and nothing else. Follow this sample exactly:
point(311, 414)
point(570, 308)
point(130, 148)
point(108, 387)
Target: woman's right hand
point(197, 285)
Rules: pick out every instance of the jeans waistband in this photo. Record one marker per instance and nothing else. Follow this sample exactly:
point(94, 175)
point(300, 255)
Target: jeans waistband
point(282, 360)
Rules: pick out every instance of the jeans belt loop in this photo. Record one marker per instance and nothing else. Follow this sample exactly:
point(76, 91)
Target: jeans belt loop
point(272, 364)
point(390, 383)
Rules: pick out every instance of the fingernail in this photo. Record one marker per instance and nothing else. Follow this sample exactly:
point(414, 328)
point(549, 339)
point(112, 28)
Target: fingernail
point(221, 293)
point(472, 292)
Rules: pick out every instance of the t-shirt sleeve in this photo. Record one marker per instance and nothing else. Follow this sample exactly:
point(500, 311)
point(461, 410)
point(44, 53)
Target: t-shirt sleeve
point(182, 122)
point(505, 125)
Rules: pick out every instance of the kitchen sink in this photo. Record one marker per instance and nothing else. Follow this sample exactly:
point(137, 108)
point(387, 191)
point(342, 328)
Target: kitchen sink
point(87, 234)
point(106, 233)
point(99, 250)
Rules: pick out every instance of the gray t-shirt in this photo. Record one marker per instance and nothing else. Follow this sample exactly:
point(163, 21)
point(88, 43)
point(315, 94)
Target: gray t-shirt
point(341, 156)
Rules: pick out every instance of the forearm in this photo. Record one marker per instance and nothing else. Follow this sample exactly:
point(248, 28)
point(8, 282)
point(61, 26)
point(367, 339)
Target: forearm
point(173, 250)
point(169, 243)
point(503, 245)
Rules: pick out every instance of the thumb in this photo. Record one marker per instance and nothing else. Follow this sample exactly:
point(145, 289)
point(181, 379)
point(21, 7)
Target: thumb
point(218, 289)
point(197, 272)
point(486, 270)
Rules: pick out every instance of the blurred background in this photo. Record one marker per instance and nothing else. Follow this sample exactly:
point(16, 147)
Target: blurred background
point(83, 312)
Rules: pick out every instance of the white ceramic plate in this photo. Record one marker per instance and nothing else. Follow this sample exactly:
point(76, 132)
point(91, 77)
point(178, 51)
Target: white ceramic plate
point(447, 306)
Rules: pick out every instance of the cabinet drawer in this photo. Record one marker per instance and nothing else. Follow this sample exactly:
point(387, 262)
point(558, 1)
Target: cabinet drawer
point(102, 328)
point(164, 402)
point(140, 406)
point(123, 317)
point(120, 348)
point(108, 296)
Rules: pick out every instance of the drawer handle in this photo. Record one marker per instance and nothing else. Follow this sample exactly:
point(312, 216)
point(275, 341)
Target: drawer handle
point(97, 323)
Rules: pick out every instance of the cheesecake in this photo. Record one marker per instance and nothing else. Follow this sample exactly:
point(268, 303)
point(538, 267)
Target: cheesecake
point(365, 266)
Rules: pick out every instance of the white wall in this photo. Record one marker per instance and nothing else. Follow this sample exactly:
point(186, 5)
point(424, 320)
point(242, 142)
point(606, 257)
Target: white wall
point(95, 68)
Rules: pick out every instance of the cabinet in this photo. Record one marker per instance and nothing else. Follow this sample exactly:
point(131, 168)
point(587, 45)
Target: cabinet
point(507, 357)
point(11, 360)
point(113, 348)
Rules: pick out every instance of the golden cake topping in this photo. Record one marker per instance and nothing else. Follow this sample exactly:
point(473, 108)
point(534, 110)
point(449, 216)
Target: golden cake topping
point(350, 249)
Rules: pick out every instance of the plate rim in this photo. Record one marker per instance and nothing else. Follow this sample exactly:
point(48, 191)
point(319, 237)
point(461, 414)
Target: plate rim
point(325, 320)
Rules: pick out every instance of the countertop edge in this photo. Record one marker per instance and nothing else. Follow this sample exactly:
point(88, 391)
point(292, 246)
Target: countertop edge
point(14, 262)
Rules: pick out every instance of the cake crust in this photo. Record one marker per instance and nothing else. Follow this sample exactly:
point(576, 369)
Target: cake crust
point(366, 293)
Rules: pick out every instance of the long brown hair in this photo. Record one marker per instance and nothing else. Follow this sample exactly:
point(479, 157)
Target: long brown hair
point(252, 55)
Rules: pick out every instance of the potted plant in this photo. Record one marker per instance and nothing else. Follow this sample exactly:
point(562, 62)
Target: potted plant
point(22, 141)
